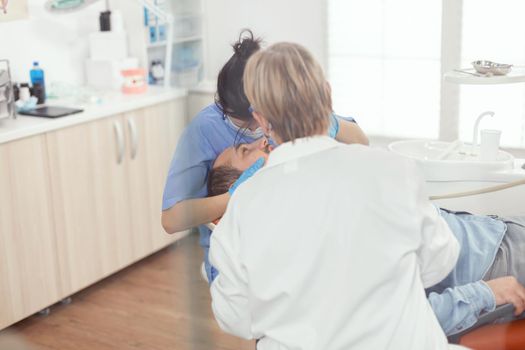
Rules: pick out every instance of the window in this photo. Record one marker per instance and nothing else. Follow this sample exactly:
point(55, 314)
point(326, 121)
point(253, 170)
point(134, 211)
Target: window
point(493, 30)
point(385, 65)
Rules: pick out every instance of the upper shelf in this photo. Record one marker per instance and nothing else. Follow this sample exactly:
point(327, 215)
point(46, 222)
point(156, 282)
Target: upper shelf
point(175, 41)
point(517, 75)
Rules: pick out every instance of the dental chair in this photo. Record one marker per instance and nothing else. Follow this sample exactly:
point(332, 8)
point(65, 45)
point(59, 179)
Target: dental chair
point(496, 330)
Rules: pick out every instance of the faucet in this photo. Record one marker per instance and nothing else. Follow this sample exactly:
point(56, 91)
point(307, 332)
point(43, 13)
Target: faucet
point(476, 130)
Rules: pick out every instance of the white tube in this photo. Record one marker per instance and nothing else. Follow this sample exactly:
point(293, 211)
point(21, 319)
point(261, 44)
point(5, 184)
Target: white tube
point(480, 191)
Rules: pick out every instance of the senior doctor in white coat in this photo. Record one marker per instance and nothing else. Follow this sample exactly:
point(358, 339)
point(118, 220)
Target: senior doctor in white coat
point(329, 246)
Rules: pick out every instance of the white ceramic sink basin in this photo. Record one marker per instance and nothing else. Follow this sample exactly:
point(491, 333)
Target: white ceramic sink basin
point(460, 164)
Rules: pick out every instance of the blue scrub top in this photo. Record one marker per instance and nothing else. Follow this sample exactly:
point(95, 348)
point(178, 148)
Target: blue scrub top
point(207, 136)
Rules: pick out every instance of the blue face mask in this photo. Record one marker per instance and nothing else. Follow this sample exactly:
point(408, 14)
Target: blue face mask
point(254, 134)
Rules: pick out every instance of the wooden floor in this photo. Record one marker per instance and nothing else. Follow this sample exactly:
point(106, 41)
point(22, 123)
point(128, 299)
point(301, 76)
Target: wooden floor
point(158, 303)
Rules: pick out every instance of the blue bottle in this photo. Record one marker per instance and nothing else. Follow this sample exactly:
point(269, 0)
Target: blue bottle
point(38, 82)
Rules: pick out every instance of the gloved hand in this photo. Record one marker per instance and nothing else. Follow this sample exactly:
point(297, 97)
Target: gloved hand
point(259, 163)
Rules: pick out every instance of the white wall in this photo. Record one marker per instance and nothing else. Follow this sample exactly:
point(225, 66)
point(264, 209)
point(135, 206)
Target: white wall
point(58, 42)
point(301, 21)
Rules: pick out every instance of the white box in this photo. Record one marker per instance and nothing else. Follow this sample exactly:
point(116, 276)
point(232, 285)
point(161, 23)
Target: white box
point(106, 74)
point(108, 45)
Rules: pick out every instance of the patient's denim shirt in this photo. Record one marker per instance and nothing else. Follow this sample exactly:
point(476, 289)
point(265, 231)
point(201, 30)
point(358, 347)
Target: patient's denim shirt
point(462, 296)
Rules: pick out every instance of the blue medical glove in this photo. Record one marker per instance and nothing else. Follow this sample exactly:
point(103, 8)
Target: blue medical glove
point(334, 126)
point(259, 163)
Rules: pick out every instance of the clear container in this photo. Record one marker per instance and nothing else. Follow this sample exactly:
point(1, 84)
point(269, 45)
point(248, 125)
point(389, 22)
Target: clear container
point(185, 6)
point(188, 26)
point(187, 77)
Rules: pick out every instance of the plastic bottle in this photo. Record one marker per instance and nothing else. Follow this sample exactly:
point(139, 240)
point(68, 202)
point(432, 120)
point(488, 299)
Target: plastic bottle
point(37, 74)
point(24, 93)
point(39, 85)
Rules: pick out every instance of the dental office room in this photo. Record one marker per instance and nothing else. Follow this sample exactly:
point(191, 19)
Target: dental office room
point(248, 174)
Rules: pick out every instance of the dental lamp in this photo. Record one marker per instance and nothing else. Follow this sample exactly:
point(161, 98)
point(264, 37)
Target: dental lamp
point(68, 6)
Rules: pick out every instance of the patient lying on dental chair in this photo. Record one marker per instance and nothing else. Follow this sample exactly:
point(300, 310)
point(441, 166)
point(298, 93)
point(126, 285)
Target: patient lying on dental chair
point(490, 270)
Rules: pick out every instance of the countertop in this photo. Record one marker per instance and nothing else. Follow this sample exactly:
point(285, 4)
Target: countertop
point(112, 104)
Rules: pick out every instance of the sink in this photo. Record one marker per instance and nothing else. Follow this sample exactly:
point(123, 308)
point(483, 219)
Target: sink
point(458, 165)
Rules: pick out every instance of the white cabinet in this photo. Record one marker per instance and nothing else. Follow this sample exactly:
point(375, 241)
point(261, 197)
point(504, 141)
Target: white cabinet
point(157, 132)
point(107, 188)
point(80, 203)
point(91, 200)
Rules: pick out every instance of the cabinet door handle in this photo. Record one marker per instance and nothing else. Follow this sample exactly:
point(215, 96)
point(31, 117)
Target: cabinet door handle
point(120, 141)
point(134, 137)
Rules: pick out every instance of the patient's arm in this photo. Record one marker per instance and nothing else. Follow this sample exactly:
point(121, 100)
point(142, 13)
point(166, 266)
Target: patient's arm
point(507, 290)
point(350, 132)
point(459, 308)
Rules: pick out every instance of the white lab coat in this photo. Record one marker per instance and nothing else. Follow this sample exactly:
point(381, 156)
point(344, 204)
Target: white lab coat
point(330, 247)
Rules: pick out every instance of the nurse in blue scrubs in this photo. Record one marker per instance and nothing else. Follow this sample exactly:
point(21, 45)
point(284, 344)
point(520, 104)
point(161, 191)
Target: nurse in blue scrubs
point(219, 126)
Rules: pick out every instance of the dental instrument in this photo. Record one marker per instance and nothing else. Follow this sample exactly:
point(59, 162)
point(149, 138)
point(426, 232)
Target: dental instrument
point(451, 148)
point(476, 130)
point(470, 73)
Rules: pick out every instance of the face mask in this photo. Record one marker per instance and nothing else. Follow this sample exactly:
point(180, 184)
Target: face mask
point(254, 134)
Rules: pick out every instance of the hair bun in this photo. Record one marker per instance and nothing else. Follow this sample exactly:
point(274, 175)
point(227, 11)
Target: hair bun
point(247, 44)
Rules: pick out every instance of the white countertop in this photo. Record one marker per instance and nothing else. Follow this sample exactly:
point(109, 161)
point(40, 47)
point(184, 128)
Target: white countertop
point(113, 104)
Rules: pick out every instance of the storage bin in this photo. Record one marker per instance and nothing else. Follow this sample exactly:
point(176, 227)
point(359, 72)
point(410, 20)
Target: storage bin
point(186, 27)
point(186, 77)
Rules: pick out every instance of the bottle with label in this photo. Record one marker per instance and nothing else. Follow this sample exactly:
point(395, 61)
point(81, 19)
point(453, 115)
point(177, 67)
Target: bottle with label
point(39, 85)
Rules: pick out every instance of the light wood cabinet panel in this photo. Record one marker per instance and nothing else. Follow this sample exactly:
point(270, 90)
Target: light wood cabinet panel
point(168, 124)
point(158, 129)
point(140, 198)
point(29, 275)
point(80, 203)
point(90, 194)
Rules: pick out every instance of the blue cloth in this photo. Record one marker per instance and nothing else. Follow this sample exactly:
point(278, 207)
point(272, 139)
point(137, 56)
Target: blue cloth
point(334, 124)
point(207, 136)
point(255, 167)
point(462, 296)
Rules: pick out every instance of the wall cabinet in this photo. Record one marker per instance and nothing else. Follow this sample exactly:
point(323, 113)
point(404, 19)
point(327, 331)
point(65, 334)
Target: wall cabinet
point(83, 203)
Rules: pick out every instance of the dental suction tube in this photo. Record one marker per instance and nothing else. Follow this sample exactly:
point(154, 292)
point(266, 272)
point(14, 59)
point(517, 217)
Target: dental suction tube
point(480, 191)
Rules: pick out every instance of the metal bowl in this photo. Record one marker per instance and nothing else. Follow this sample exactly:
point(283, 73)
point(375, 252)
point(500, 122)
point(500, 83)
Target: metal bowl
point(491, 68)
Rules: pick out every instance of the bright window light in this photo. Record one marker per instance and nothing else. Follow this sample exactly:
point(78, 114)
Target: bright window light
point(494, 30)
point(384, 64)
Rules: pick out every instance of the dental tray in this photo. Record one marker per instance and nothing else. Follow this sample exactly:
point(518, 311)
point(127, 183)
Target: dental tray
point(471, 76)
point(490, 68)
